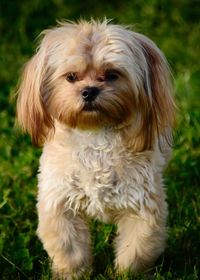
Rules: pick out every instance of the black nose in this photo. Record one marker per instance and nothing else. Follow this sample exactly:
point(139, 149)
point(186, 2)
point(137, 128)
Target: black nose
point(90, 93)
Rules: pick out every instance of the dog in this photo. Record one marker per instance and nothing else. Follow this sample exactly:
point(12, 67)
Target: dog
point(97, 97)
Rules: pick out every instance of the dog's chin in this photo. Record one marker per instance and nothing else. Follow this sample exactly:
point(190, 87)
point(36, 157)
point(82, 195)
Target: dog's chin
point(93, 117)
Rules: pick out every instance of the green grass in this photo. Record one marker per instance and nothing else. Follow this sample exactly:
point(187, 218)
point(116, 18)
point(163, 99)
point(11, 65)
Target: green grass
point(174, 27)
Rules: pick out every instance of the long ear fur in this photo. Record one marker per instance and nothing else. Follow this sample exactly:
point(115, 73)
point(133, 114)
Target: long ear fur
point(31, 113)
point(156, 99)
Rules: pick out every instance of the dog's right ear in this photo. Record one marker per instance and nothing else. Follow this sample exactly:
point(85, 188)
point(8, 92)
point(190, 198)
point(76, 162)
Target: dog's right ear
point(31, 113)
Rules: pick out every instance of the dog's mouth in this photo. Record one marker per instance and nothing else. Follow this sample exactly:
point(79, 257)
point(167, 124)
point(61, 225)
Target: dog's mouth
point(90, 107)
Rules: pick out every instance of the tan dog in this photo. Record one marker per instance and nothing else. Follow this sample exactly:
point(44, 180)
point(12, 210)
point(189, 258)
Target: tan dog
point(98, 97)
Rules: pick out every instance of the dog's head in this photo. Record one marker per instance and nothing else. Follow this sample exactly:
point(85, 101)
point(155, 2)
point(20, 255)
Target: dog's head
point(90, 75)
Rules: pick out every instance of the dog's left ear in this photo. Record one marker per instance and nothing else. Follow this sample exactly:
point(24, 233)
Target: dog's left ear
point(156, 100)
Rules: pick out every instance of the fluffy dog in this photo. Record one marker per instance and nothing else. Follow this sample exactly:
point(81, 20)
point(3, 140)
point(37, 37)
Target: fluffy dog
point(97, 96)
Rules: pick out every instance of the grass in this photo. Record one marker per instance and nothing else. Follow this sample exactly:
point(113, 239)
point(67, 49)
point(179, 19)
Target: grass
point(175, 28)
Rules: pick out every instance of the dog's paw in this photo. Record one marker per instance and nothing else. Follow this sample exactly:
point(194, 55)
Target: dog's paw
point(65, 275)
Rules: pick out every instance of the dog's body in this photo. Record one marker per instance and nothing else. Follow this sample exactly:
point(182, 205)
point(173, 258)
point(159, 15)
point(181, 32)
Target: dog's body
point(105, 132)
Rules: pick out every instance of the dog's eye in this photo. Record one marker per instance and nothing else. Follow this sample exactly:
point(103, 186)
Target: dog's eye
point(111, 75)
point(72, 77)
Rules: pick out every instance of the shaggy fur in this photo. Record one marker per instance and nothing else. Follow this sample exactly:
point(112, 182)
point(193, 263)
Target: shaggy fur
point(103, 155)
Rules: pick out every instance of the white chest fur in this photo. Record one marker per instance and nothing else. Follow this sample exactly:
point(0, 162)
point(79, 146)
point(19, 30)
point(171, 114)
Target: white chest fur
point(96, 174)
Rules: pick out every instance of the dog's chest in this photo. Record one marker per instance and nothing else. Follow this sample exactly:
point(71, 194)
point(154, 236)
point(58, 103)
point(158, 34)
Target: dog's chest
point(95, 175)
point(98, 174)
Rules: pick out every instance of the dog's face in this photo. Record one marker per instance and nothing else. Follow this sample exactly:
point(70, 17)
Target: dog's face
point(87, 89)
point(94, 75)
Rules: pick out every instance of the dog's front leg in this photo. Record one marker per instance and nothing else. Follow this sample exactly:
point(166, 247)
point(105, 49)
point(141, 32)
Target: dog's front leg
point(66, 239)
point(139, 242)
